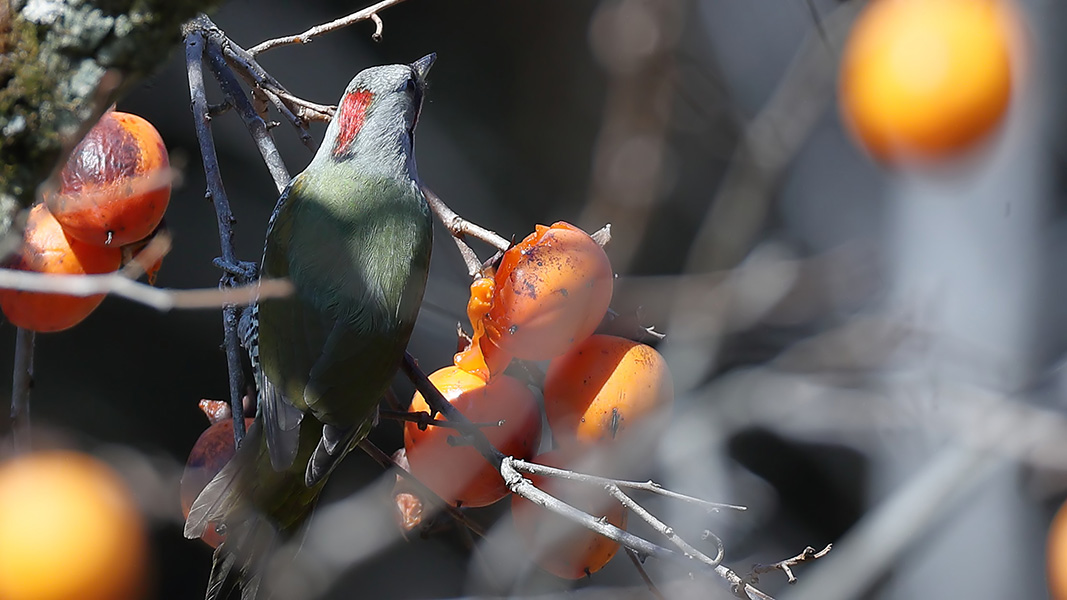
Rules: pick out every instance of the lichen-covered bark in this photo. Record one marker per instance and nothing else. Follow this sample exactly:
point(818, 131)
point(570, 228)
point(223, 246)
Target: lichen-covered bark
point(62, 62)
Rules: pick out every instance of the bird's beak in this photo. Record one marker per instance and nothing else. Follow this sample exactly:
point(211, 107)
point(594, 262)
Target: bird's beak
point(422, 66)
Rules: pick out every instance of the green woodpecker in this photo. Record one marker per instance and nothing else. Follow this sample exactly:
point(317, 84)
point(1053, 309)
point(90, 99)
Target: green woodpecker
point(353, 234)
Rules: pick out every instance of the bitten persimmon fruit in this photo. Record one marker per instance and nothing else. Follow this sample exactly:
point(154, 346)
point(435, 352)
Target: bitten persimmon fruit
point(928, 79)
point(551, 291)
point(69, 528)
point(47, 249)
point(557, 545)
point(607, 389)
point(115, 187)
point(457, 472)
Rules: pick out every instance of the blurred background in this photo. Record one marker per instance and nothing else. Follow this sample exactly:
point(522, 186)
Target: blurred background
point(862, 356)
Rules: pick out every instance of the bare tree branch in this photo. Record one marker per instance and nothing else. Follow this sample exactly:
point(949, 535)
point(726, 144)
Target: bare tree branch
point(194, 57)
point(647, 486)
point(371, 12)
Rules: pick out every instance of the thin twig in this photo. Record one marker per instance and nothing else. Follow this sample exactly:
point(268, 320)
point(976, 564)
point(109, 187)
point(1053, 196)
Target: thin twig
point(311, 111)
point(162, 299)
point(255, 124)
point(291, 115)
point(809, 554)
point(194, 56)
point(647, 486)
point(20, 389)
point(460, 227)
point(245, 65)
point(425, 493)
point(525, 488)
point(767, 147)
point(371, 12)
point(379, 27)
point(662, 528)
point(631, 151)
point(644, 575)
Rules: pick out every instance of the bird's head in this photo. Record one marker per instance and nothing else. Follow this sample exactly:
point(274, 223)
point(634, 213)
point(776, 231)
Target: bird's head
point(380, 105)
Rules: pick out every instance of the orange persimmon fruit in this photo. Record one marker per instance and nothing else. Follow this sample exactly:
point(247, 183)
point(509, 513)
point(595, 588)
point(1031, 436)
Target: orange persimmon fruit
point(47, 249)
point(551, 291)
point(556, 544)
point(116, 185)
point(69, 528)
point(458, 473)
point(608, 391)
point(928, 79)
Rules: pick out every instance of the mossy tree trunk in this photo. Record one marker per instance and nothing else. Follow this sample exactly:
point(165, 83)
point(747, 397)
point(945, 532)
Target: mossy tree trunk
point(62, 63)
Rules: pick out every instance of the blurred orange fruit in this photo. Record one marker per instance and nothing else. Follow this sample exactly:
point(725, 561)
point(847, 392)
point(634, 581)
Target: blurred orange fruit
point(1057, 555)
point(47, 249)
point(927, 79)
point(115, 187)
point(69, 528)
point(558, 545)
point(458, 473)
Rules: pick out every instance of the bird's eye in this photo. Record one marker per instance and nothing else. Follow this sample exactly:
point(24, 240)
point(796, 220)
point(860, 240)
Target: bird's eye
point(409, 86)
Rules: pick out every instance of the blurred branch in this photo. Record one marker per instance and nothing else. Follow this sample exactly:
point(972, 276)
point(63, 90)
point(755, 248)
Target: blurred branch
point(118, 284)
point(22, 383)
point(63, 64)
point(634, 41)
point(369, 13)
point(874, 543)
point(767, 147)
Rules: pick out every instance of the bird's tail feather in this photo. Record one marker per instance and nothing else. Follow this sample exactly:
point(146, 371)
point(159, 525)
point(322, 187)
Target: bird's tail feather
point(221, 498)
point(250, 536)
point(240, 560)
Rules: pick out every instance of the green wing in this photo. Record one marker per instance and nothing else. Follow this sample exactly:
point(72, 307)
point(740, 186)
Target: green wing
point(358, 261)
